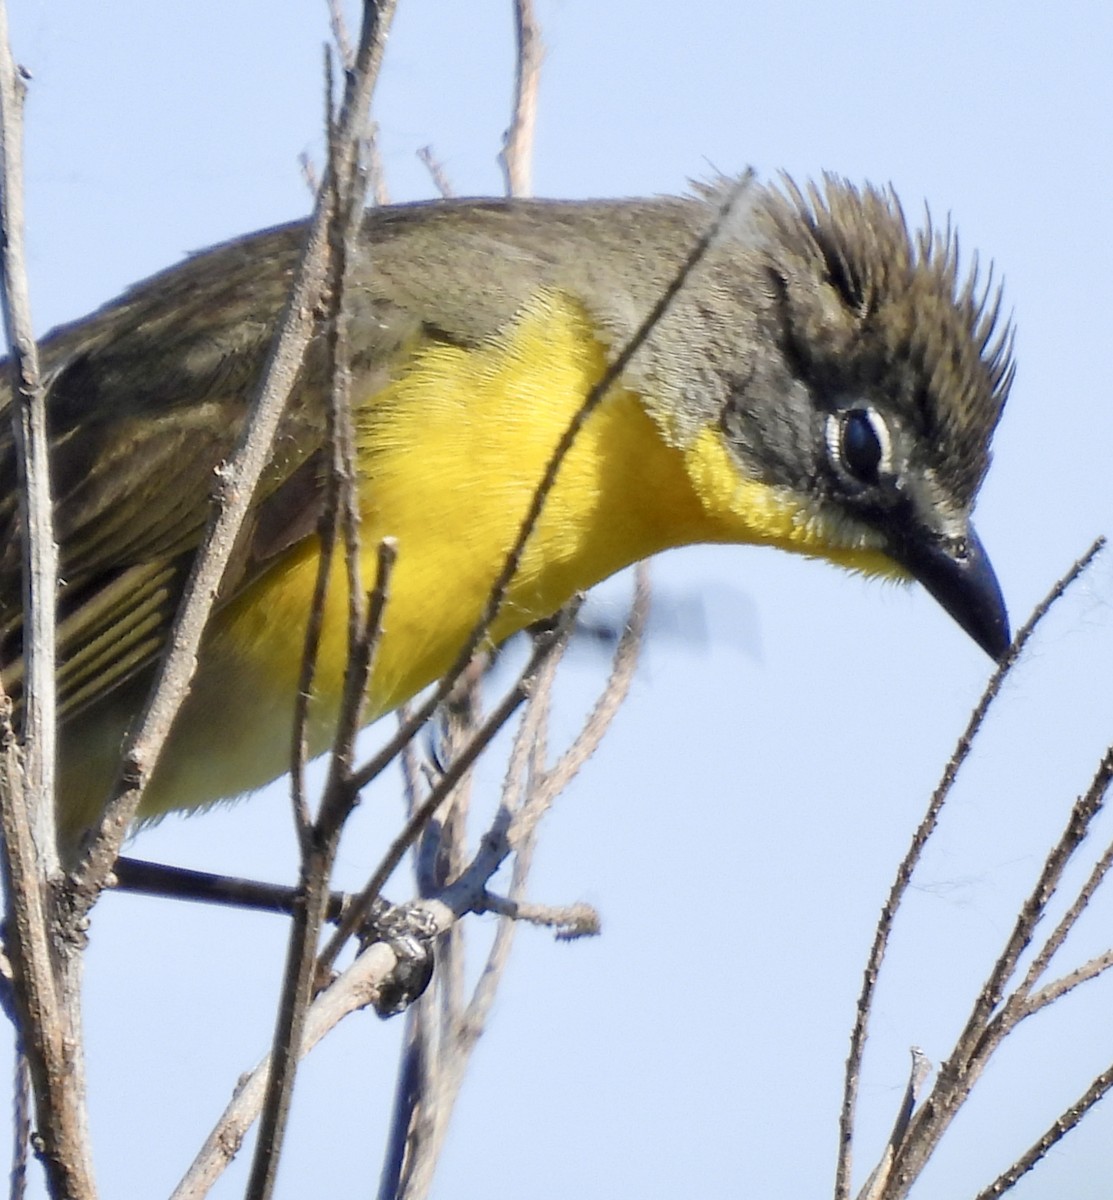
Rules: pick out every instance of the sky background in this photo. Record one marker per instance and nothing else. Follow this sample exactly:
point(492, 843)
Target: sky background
point(740, 827)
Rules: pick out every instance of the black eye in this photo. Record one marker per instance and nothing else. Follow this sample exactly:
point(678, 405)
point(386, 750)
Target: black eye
point(860, 447)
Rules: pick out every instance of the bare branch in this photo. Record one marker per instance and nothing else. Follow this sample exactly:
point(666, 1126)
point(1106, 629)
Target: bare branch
point(611, 699)
point(1070, 918)
point(40, 555)
point(595, 396)
point(571, 921)
point(875, 1185)
point(1082, 814)
point(21, 1126)
point(376, 173)
point(46, 964)
point(981, 1035)
point(419, 1129)
point(517, 151)
point(436, 172)
point(356, 988)
point(912, 858)
point(340, 35)
point(1092, 969)
point(502, 713)
point(1054, 1134)
point(340, 207)
point(360, 985)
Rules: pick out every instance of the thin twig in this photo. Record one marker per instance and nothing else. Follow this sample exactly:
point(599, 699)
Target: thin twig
point(623, 667)
point(311, 645)
point(1091, 969)
point(450, 1034)
point(1083, 812)
point(412, 1069)
point(402, 1108)
point(21, 1126)
point(45, 958)
point(358, 986)
point(498, 717)
point(344, 179)
point(341, 38)
point(911, 859)
point(571, 921)
point(1053, 1135)
point(543, 788)
point(28, 413)
point(1070, 918)
point(424, 1097)
point(879, 1178)
point(203, 887)
point(595, 396)
point(981, 1036)
point(239, 477)
point(376, 173)
point(522, 806)
point(355, 989)
point(328, 527)
point(436, 172)
point(517, 150)
point(309, 918)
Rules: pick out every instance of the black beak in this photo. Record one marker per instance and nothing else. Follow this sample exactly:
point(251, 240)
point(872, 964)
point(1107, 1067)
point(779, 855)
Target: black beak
point(959, 575)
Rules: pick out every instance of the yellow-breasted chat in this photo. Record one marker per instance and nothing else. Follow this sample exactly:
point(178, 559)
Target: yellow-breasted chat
point(825, 382)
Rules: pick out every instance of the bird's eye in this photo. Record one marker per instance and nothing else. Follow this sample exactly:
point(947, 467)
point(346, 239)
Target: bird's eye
point(862, 443)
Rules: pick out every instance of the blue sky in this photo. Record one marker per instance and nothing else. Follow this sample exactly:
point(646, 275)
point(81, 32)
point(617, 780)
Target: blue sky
point(739, 828)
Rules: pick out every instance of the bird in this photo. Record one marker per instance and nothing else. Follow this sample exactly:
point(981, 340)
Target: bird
point(826, 381)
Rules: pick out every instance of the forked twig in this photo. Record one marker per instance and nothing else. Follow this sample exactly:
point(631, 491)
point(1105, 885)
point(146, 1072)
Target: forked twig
point(407, 729)
point(361, 904)
point(433, 1069)
point(984, 1032)
point(910, 861)
point(595, 396)
point(342, 204)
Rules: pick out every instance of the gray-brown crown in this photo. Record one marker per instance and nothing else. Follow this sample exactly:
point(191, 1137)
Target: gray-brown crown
point(910, 325)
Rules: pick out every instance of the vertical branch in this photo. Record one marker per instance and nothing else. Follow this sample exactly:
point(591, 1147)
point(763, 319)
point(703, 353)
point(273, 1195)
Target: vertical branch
point(345, 183)
point(239, 478)
point(21, 1127)
point(46, 966)
point(40, 556)
point(517, 151)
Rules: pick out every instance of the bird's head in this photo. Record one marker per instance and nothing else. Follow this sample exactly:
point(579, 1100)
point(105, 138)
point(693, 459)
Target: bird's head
point(891, 371)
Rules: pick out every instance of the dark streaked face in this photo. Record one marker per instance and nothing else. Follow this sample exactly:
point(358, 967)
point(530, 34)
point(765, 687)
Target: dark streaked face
point(893, 377)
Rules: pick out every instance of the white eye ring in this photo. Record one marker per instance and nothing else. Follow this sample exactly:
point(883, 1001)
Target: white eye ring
point(859, 444)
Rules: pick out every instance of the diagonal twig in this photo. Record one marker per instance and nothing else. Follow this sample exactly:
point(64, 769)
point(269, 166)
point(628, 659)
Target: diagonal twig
point(911, 859)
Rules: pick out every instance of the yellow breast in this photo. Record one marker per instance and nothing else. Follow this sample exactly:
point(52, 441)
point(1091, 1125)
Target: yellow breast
point(450, 453)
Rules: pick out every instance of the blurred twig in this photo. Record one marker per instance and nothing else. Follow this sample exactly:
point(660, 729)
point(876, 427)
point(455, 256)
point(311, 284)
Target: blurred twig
point(436, 1063)
point(21, 1126)
point(436, 172)
point(517, 150)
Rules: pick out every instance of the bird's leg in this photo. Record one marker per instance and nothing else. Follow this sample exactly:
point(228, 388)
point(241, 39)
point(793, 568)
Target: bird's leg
point(182, 883)
point(405, 928)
